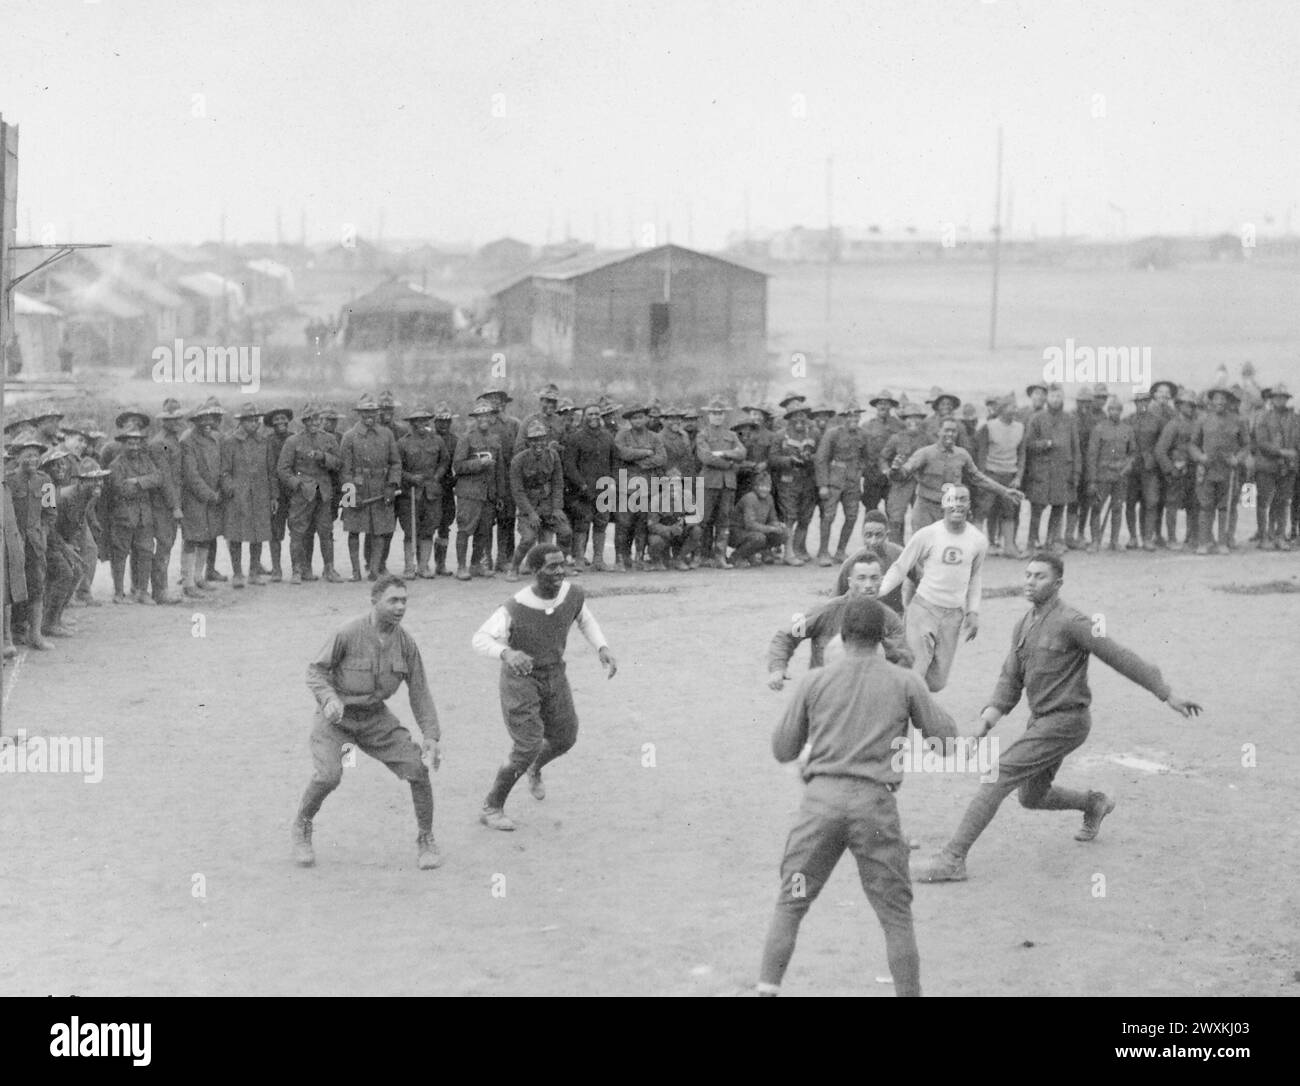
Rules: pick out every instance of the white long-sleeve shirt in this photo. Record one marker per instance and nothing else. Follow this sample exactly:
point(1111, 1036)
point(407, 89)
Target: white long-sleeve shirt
point(493, 637)
point(951, 565)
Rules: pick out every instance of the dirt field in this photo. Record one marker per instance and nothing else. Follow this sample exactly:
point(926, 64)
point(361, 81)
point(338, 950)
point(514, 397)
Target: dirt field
point(172, 875)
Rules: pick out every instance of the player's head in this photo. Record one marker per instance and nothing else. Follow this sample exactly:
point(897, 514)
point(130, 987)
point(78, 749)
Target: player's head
point(546, 562)
point(1043, 576)
point(762, 484)
point(955, 503)
point(865, 577)
point(948, 432)
point(875, 529)
point(388, 597)
point(864, 623)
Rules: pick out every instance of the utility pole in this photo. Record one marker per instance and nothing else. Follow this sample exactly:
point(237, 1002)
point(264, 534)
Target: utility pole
point(997, 250)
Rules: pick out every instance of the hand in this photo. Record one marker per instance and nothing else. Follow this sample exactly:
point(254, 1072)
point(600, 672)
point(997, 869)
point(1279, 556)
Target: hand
point(1014, 494)
point(431, 754)
point(611, 665)
point(519, 663)
point(776, 680)
point(177, 515)
point(333, 710)
point(971, 624)
point(823, 492)
point(1015, 484)
point(534, 522)
point(1183, 708)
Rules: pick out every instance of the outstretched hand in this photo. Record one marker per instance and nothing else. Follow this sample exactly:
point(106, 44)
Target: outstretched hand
point(1184, 708)
point(611, 665)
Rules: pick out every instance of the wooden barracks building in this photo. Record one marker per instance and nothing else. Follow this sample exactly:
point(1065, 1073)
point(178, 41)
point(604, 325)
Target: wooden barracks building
point(665, 303)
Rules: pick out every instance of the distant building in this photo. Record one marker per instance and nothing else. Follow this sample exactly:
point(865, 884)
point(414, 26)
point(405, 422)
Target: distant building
point(639, 304)
point(34, 352)
point(505, 254)
point(395, 315)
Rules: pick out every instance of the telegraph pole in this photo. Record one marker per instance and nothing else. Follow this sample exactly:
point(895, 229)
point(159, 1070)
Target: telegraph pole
point(997, 250)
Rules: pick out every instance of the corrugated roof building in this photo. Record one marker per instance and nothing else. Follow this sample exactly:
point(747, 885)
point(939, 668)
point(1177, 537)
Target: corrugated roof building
point(663, 304)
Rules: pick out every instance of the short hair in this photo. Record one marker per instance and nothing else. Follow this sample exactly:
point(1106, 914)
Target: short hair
point(953, 419)
point(868, 559)
point(537, 553)
point(1049, 558)
point(864, 622)
point(387, 581)
point(874, 516)
point(760, 479)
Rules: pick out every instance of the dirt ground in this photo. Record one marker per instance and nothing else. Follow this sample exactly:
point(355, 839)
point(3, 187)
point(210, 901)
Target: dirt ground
point(172, 875)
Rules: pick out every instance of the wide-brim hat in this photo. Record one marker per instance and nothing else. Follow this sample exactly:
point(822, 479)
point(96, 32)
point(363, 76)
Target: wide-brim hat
point(310, 411)
point(18, 418)
point(366, 403)
point(745, 424)
point(482, 408)
point(1221, 389)
point(1140, 395)
point(250, 410)
point(167, 413)
point(424, 412)
point(938, 395)
point(635, 409)
point(851, 408)
point(1173, 388)
point(208, 407)
point(536, 428)
point(443, 411)
point(993, 399)
point(269, 417)
point(129, 431)
point(1185, 395)
point(789, 396)
point(58, 452)
point(883, 396)
point(756, 407)
point(1101, 391)
point(496, 390)
point(610, 409)
point(132, 412)
point(28, 439)
point(387, 399)
point(1278, 389)
point(716, 404)
point(89, 468)
point(565, 406)
point(1029, 389)
point(550, 392)
point(912, 411)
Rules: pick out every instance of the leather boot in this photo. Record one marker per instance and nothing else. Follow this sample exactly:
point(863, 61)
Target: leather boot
point(720, 551)
point(277, 571)
point(440, 557)
point(354, 555)
point(35, 622)
point(424, 548)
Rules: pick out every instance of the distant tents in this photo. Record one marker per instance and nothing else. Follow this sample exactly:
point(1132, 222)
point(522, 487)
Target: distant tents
point(395, 314)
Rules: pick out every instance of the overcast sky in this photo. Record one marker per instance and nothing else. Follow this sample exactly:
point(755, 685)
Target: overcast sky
point(470, 120)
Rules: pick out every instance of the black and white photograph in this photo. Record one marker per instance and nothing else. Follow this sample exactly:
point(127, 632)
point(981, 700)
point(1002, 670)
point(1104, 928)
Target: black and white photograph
point(661, 498)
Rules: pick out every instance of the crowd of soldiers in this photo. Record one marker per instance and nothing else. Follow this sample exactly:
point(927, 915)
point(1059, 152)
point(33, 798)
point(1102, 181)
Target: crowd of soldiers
point(680, 487)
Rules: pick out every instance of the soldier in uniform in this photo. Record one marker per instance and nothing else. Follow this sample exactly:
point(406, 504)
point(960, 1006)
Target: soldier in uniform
point(164, 449)
point(62, 561)
point(897, 450)
point(1086, 416)
point(425, 459)
point(373, 467)
point(1051, 463)
point(479, 465)
point(638, 454)
point(793, 465)
point(1174, 459)
point(506, 427)
point(679, 445)
point(1277, 443)
point(589, 459)
point(755, 527)
point(549, 416)
point(35, 514)
point(77, 440)
point(718, 450)
point(387, 417)
point(945, 405)
point(357, 670)
point(876, 432)
point(1219, 447)
point(747, 430)
point(76, 502)
point(200, 495)
point(537, 485)
point(1111, 452)
point(671, 538)
point(443, 417)
point(308, 462)
point(277, 424)
point(251, 492)
point(1144, 480)
point(942, 463)
point(15, 563)
point(135, 477)
point(838, 472)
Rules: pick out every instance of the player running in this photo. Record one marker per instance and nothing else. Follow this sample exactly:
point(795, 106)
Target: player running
point(1049, 663)
point(528, 634)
